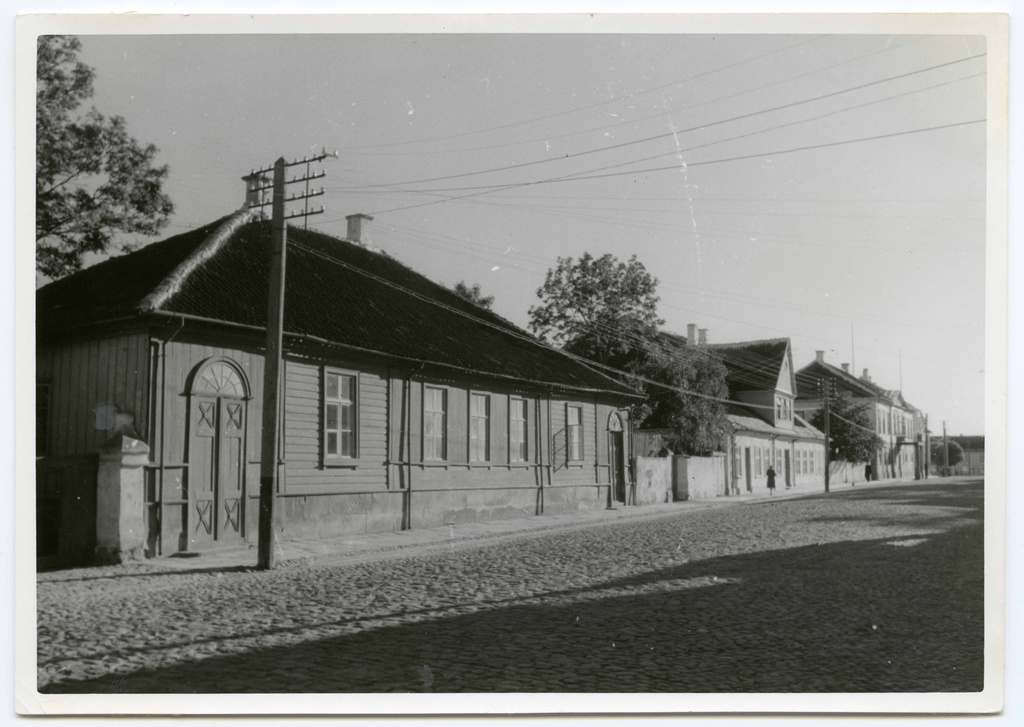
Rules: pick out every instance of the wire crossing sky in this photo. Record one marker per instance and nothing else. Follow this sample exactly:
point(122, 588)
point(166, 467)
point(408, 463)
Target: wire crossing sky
point(826, 188)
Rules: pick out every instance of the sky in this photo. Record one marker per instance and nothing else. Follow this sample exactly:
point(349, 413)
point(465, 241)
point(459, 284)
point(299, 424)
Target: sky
point(825, 188)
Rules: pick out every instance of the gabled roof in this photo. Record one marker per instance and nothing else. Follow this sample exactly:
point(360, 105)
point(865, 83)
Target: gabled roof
point(816, 370)
point(337, 292)
point(752, 365)
point(859, 387)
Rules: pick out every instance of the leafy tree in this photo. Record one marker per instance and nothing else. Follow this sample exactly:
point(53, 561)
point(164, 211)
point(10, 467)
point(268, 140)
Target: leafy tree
point(600, 308)
point(851, 438)
point(92, 179)
point(473, 294)
point(956, 453)
point(605, 310)
point(698, 424)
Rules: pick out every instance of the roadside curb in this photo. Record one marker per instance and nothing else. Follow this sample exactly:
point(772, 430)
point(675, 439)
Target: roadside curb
point(311, 552)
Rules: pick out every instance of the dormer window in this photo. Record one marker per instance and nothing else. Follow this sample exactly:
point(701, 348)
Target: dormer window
point(783, 409)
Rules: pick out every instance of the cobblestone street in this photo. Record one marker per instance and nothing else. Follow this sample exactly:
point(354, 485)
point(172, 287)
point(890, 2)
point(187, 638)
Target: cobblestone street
point(868, 589)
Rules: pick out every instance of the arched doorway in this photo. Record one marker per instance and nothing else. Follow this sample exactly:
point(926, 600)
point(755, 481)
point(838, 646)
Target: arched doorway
point(617, 456)
point(216, 453)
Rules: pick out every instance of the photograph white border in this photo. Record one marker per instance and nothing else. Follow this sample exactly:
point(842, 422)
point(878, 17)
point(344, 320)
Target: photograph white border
point(994, 27)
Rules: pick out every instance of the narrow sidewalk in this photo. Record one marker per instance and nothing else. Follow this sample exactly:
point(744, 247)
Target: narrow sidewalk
point(374, 546)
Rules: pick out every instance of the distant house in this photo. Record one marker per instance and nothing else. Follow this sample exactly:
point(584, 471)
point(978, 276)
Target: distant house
point(899, 425)
point(765, 429)
point(402, 405)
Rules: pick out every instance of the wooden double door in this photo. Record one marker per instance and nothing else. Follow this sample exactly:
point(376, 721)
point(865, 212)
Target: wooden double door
point(216, 468)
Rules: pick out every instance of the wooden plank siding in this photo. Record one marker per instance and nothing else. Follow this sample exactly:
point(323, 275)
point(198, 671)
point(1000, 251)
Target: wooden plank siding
point(387, 486)
point(580, 472)
point(85, 375)
point(306, 471)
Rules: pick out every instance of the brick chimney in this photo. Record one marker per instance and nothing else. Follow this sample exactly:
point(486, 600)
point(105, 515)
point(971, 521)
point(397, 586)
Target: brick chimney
point(702, 336)
point(691, 333)
point(819, 356)
point(865, 375)
point(355, 227)
point(846, 368)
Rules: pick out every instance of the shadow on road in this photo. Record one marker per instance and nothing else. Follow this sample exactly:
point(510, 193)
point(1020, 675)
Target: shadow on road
point(896, 614)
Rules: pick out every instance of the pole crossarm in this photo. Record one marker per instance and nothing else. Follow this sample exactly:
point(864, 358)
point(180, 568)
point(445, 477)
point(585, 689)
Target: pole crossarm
point(292, 198)
point(324, 154)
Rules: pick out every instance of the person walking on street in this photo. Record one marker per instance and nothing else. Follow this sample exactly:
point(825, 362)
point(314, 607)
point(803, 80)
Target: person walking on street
point(771, 480)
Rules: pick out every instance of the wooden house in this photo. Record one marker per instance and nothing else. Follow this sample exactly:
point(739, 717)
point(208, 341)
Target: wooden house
point(402, 405)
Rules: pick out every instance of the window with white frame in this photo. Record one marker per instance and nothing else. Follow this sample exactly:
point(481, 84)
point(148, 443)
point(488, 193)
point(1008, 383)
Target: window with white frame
point(435, 423)
point(339, 415)
point(517, 451)
point(574, 432)
point(758, 469)
point(783, 408)
point(479, 428)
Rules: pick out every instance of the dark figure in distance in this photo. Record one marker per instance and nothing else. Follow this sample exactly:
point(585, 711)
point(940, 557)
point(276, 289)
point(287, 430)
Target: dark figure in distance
point(771, 480)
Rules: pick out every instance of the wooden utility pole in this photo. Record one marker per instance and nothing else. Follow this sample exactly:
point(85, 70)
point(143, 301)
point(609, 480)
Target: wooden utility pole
point(945, 452)
point(270, 447)
point(828, 444)
point(271, 372)
point(927, 449)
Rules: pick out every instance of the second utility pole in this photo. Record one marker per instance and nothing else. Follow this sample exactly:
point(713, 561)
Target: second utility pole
point(828, 444)
point(271, 372)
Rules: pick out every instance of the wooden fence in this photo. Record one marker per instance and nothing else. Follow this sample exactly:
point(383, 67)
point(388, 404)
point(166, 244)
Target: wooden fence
point(65, 511)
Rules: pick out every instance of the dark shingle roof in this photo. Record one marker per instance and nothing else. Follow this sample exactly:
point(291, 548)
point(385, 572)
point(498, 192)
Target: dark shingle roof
point(337, 291)
point(752, 365)
point(818, 370)
point(113, 288)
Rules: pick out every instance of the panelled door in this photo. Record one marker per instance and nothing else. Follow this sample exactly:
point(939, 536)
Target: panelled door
point(618, 469)
point(216, 452)
point(617, 456)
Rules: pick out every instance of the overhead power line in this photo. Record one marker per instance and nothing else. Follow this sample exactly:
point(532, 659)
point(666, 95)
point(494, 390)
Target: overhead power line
point(675, 133)
point(599, 103)
point(488, 189)
point(604, 127)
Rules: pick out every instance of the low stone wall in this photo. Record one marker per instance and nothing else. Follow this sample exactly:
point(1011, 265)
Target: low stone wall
point(845, 473)
point(653, 480)
point(699, 478)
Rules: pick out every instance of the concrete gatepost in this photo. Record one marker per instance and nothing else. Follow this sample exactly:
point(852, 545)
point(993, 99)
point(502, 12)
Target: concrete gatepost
point(120, 500)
